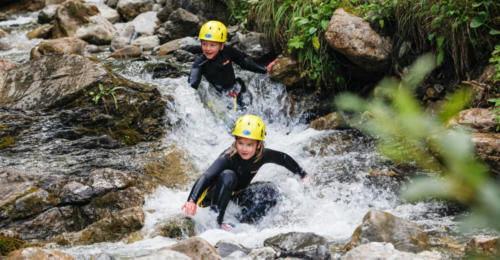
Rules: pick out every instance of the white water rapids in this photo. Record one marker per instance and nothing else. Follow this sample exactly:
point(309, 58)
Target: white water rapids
point(332, 204)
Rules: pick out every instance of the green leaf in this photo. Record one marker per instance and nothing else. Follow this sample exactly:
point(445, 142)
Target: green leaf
point(348, 101)
point(494, 32)
point(431, 36)
point(440, 57)
point(312, 30)
point(479, 20)
point(302, 21)
point(324, 24)
point(456, 102)
point(440, 41)
point(426, 187)
point(315, 42)
point(296, 43)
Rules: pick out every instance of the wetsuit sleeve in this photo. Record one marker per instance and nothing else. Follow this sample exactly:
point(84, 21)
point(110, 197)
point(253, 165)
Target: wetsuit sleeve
point(284, 160)
point(208, 177)
point(244, 62)
point(195, 73)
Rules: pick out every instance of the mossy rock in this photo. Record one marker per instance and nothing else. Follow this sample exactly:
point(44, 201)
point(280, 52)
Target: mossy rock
point(178, 227)
point(9, 244)
point(6, 141)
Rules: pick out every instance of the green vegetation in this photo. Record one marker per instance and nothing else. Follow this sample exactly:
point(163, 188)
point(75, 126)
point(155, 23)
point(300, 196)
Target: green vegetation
point(496, 110)
point(460, 33)
point(8, 244)
point(6, 141)
point(495, 60)
point(406, 133)
point(103, 93)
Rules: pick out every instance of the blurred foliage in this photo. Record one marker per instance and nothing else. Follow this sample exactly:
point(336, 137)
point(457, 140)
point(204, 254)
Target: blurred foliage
point(495, 60)
point(496, 110)
point(406, 133)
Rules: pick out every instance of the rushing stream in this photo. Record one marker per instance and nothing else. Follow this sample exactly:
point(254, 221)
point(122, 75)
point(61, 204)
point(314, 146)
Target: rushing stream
point(332, 204)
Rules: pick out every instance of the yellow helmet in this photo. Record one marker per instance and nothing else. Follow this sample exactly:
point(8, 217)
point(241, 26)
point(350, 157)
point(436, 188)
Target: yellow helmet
point(250, 126)
point(213, 31)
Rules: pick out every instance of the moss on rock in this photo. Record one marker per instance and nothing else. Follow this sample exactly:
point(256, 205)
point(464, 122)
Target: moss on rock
point(9, 244)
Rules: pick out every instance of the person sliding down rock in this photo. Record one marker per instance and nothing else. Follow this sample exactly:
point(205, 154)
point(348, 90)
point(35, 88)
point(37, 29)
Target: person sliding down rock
point(229, 176)
point(216, 63)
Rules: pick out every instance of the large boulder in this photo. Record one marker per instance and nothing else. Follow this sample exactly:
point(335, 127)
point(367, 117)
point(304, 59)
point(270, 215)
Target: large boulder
point(187, 43)
point(332, 121)
point(146, 43)
point(112, 228)
point(129, 9)
point(66, 45)
point(145, 23)
point(379, 226)
point(354, 38)
point(375, 251)
point(483, 246)
point(83, 21)
point(478, 119)
point(286, 70)
point(181, 23)
point(179, 226)
point(123, 37)
point(195, 247)
point(256, 45)
point(308, 245)
point(45, 82)
point(30, 253)
point(109, 13)
point(41, 207)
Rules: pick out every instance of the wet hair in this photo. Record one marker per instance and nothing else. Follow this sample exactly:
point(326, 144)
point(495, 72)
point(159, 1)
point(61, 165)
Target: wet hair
point(258, 152)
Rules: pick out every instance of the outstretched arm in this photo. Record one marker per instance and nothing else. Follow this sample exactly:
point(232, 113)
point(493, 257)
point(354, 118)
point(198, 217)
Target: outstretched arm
point(284, 160)
point(195, 73)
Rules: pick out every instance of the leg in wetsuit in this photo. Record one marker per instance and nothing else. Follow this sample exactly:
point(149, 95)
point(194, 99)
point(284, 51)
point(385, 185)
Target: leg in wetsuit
point(255, 200)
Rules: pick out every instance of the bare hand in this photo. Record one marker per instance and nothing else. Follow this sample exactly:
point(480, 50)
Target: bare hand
point(270, 65)
point(307, 178)
point(227, 227)
point(189, 208)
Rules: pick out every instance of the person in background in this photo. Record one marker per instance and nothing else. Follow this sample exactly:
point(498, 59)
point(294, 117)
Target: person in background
point(216, 62)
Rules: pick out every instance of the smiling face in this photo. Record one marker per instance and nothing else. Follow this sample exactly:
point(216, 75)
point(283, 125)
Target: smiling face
point(210, 48)
point(246, 147)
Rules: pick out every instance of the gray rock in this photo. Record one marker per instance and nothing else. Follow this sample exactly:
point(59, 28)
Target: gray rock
point(145, 23)
point(226, 249)
point(478, 119)
point(123, 37)
point(75, 192)
point(86, 24)
point(129, 9)
point(376, 251)
point(104, 180)
point(164, 254)
point(146, 43)
point(55, 80)
point(196, 248)
point(109, 13)
point(255, 45)
point(307, 245)
point(47, 14)
point(264, 253)
point(353, 37)
point(379, 226)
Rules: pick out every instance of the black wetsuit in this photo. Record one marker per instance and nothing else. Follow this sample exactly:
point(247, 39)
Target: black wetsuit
point(219, 71)
point(233, 174)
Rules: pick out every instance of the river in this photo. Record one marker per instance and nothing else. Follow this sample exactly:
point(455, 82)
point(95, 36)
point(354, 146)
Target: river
point(332, 204)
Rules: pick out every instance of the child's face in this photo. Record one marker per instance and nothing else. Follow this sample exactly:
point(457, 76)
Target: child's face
point(210, 48)
point(246, 147)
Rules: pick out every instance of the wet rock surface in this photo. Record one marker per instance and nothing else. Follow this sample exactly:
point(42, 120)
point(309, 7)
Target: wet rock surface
point(298, 244)
point(379, 226)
